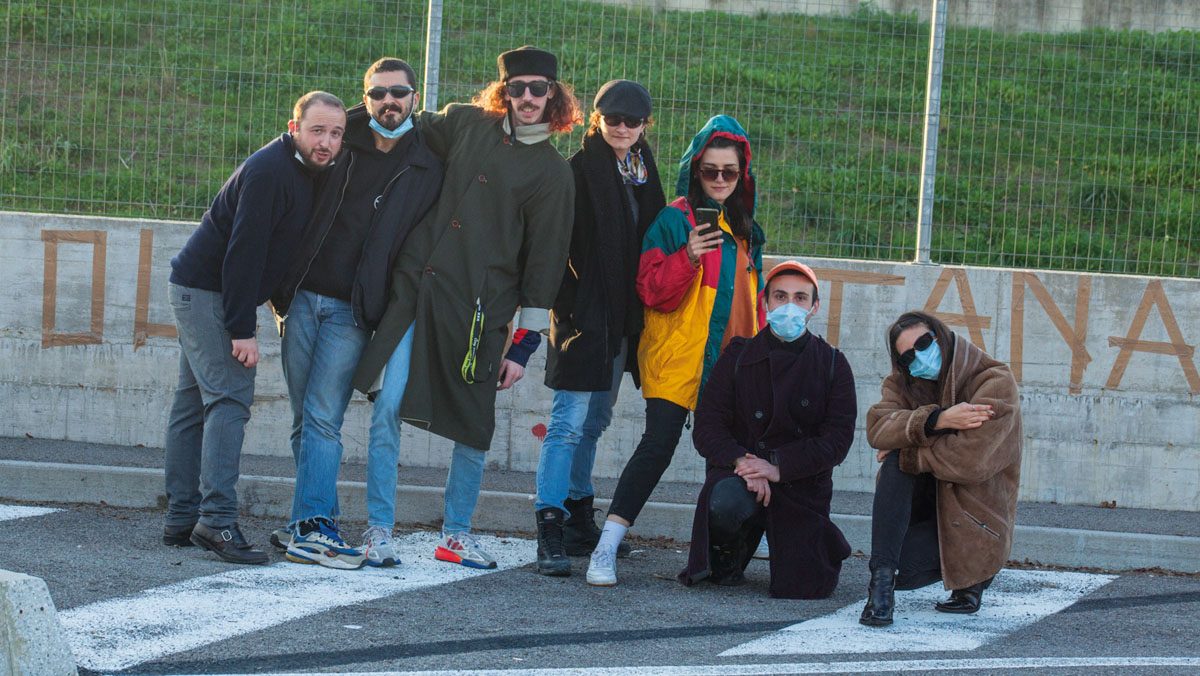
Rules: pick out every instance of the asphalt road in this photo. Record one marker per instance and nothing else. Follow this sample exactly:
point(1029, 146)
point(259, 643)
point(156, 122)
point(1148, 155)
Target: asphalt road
point(516, 619)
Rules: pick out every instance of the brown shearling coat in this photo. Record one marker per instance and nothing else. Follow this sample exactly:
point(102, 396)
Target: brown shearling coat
point(977, 471)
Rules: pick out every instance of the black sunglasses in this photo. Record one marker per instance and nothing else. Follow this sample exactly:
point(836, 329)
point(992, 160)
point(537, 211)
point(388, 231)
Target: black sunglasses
point(538, 88)
point(397, 92)
point(910, 354)
point(711, 174)
point(630, 122)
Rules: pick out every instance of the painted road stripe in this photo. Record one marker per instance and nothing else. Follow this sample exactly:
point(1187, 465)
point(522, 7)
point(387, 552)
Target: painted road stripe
point(121, 633)
point(8, 512)
point(1016, 599)
point(1001, 663)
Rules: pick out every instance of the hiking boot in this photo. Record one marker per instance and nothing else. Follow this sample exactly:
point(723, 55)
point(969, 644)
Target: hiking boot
point(227, 543)
point(463, 549)
point(178, 536)
point(377, 547)
point(551, 558)
point(580, 533)
point(280, 537)
point(318, 541)
point(602, 569)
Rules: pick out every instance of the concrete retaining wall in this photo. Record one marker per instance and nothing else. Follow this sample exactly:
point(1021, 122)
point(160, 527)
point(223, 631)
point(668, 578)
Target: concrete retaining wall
point(1107, 363)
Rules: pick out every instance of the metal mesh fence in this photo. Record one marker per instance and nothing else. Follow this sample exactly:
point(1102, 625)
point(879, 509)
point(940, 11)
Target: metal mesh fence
point(1069, 138)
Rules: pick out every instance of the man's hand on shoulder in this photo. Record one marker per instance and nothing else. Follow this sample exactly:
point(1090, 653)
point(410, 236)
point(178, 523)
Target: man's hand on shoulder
point(245, 350)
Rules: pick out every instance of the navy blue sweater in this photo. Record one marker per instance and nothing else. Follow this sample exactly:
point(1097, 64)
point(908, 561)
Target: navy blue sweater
point(246, 239)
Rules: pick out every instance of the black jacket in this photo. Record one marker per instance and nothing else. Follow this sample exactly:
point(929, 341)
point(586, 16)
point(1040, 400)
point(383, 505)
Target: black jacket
point(410, 193)
point(597, 303)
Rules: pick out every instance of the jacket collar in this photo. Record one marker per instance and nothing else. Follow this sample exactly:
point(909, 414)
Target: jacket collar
point(528, 134)
point(358, 125)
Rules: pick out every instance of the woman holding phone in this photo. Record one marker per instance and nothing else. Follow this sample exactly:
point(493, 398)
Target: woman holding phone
point(699, 277)
point(948, 430)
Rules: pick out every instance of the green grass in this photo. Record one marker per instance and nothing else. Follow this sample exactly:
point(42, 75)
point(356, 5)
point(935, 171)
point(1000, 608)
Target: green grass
point(1076, 151)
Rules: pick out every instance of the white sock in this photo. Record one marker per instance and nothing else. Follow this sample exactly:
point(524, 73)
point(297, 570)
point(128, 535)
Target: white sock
point(611, 535)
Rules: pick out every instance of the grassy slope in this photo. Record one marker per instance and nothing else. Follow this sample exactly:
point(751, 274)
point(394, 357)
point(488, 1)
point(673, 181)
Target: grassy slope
point(1071, 151)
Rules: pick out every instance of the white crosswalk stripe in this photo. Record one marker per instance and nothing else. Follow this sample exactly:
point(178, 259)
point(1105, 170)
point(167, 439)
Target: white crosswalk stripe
point(8, 512)
point(121, 633)
point(1016, 599)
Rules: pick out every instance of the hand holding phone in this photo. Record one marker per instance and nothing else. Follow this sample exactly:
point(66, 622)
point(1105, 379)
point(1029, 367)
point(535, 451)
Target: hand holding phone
point(705, 237)
point(706, 221)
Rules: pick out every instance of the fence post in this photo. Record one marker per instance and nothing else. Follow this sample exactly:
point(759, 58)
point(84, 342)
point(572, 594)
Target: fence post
point(933, 114)
point(433, 54)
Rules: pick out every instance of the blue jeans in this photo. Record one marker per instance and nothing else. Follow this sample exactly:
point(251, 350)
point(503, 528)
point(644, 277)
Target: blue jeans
point(320, 348)
point(577, 419)
point(208, 416)
point(383, 449)
point(462, 488)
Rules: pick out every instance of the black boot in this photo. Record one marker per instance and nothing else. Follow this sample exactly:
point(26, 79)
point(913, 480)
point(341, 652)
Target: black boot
point(552, 558)
point(881, 598)
point(727, 565)
point(580, 533)
point(964, 601)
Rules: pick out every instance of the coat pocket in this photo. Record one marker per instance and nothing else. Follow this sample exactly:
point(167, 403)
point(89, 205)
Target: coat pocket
point(986, 528)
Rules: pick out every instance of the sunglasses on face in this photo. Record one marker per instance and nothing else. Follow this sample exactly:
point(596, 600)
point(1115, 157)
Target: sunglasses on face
point(729, 175)
point(538, 88)
point(397, 92)
point(908, 356)
point(617, 120)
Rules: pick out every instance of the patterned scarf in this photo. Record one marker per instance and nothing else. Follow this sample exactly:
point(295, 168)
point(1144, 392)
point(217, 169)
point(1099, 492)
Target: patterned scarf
point(633, 171)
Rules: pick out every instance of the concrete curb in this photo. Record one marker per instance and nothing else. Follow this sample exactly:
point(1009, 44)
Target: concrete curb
point(271, 497)
point(31, 638)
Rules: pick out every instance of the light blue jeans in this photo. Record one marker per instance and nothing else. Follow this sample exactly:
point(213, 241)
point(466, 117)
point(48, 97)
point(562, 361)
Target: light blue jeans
point(320, 349)
point(383, 449)
point(462, 488)
point(577, 419)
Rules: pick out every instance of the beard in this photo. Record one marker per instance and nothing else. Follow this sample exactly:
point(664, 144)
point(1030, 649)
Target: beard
point(393, 123)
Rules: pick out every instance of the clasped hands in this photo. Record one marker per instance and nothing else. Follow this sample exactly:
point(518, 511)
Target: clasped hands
point(758, 475)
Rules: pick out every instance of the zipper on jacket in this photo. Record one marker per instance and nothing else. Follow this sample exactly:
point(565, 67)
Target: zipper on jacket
point(367, 239)
point(324, 235)
point(981, 524)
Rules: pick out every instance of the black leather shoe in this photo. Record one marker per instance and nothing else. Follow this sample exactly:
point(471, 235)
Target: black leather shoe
point(580, 532)
point(178, 536)
point(964, 601)
point(551, 558)
point(727, 565)
point(881, 598)
point(227, 543)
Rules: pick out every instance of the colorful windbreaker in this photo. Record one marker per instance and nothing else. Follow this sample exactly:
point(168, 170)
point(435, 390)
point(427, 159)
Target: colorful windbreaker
point(687, 309)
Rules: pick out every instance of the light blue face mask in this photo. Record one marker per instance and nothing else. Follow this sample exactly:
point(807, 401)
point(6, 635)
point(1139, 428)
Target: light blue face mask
point(928, 362)
point(788, 321)
point(392, 133)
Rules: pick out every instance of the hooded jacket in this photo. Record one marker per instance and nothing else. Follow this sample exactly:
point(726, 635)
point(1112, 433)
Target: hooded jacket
point(688, 308)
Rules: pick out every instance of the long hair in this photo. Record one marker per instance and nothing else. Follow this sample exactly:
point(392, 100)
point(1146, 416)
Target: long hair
point(562, 111)
point(735, 208)
point(941, 332)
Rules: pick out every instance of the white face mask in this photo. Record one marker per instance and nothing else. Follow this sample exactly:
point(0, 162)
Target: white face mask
point(788, 321)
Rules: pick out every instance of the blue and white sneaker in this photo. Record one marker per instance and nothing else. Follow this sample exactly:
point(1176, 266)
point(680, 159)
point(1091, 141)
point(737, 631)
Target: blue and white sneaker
point(317, 541)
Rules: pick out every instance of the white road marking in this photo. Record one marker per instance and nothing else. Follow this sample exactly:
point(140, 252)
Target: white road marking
point(121, 633)
point(1016, 599)
point(8, 512)
point(812, 667)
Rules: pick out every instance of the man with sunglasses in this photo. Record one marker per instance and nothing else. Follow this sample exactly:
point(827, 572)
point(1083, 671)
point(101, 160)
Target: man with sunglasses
point(384, 181)
point(497, 241)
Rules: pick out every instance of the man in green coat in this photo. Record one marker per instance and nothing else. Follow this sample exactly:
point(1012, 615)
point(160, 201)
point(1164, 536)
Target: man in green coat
point(496, 241)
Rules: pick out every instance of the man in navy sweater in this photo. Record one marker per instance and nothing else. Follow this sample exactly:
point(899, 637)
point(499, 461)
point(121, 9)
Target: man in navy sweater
point(229, 266)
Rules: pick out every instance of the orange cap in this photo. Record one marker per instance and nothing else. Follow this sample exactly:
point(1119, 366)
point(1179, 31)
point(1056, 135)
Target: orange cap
point(793, 266)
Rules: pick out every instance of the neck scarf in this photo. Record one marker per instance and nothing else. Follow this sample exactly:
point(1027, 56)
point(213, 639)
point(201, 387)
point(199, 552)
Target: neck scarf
point(633, 170)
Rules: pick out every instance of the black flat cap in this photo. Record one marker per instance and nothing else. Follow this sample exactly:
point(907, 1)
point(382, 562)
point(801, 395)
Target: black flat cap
point(623, 97)
point(527, 61)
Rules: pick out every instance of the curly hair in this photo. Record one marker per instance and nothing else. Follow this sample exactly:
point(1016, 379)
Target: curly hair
point(562, 111)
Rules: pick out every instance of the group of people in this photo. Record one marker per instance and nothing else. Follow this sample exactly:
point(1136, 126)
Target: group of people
point(420, 257)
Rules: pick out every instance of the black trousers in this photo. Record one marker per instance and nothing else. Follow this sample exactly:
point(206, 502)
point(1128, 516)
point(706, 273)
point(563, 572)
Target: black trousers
point(904, 533)
point(664, 425)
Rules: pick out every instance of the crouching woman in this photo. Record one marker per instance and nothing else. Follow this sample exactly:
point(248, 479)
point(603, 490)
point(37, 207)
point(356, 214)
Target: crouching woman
point(948, 430)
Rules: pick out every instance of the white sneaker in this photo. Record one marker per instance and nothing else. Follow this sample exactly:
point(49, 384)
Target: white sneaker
point(377, 546)
point(463, 549)
point(602, 570)
point(763, 552)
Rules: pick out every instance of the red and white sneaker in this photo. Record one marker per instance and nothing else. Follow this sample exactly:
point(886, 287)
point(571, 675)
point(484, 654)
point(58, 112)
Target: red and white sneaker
point(463, 549)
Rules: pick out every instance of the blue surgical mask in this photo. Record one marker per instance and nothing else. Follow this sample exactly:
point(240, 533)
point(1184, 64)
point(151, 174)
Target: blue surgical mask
point(788, 321)
point(392, 133)
point(928, 362)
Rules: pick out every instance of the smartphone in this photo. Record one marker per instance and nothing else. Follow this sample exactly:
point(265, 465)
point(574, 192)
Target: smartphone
point(706, 221)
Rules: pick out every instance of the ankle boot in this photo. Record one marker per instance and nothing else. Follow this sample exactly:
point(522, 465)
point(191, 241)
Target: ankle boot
point(726, 565)
point(881, 598)
point(551, 557)
point(580, 532)
point(964, 601)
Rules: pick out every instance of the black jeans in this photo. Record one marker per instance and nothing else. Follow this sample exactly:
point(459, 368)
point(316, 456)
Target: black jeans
point(664, 424)
point(904, 532)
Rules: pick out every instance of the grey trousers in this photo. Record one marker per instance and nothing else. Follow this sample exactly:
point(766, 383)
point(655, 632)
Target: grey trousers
point(208, 417)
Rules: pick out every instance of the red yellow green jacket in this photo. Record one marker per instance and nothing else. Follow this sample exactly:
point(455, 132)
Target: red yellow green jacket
point(688, 308)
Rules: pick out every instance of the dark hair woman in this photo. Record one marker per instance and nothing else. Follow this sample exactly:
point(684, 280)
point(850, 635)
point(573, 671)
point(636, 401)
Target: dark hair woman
point(948, 430)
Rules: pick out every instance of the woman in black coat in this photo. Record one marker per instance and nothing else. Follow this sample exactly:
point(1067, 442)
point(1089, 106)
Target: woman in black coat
point(596, 319)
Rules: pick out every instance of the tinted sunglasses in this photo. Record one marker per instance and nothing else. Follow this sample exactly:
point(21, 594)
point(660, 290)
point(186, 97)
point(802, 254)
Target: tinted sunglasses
point(397, 92)
point(729, 175)
point(538, 88)
point(908, 356)
point(617, 120)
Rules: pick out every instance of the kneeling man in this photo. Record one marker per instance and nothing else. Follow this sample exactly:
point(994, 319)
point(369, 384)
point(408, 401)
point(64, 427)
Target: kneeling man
point(776, 416)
